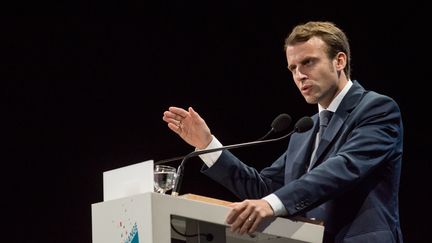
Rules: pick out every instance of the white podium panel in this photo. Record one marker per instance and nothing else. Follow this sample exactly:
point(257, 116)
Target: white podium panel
point(148, 217)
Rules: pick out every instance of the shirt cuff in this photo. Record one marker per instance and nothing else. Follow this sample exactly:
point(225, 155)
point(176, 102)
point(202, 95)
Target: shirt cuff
point(210, 158)
point(277, 205)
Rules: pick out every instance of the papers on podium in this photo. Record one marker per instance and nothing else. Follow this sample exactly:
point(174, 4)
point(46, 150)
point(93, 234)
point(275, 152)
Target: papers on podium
point(129, 180)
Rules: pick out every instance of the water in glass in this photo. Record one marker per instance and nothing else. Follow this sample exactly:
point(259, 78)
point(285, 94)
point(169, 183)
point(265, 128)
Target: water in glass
point(164, 178)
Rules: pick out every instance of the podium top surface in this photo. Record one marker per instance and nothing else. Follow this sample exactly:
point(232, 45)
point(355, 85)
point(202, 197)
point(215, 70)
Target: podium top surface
point(216, 201)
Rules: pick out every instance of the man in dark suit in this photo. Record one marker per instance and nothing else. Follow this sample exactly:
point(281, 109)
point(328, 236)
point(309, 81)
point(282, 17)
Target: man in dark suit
point(346, 175)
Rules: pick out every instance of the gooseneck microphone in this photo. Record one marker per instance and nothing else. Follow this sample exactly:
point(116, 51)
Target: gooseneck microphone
point(280, 123)
point(302, 125)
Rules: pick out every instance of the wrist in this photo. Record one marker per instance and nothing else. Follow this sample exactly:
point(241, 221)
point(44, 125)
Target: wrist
point(205, 145)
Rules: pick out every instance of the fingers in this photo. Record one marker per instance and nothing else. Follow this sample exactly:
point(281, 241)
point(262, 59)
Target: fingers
point(246, 216)
point(178, 113)
point(189, 126)
point(248, 224)
point(174, 116)
point(173, 124)
point(193, 113)
point(242, 217)
point(254, 221)
point(175, 128)
point(237, 209)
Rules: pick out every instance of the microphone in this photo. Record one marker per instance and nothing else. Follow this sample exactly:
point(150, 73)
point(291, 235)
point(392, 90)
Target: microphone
point(304, 124)
point(280, 123)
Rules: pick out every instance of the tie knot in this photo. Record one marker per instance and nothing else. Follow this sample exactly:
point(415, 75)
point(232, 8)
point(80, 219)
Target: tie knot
point(325, 116)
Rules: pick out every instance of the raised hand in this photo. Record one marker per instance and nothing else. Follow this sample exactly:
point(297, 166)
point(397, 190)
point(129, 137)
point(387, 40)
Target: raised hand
point(189, 125)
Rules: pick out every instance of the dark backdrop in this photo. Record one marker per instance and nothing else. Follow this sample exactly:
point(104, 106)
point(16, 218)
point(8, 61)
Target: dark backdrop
point(86, 83)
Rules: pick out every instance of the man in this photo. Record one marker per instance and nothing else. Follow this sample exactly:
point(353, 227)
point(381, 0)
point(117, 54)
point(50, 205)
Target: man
point(347, 176)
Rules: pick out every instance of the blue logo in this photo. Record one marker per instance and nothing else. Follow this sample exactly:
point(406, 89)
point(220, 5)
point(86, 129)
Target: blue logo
point(133, 235)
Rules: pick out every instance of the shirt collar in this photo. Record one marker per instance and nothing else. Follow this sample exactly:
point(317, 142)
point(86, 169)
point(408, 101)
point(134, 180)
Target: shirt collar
point(337, 100)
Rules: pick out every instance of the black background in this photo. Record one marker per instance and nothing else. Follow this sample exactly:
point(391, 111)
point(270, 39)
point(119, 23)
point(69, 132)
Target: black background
point(86, 84)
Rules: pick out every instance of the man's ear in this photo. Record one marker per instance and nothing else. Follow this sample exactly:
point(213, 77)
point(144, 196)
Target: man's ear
point(340, 60)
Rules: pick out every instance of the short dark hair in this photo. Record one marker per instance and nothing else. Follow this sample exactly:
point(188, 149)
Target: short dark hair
point(333, 36)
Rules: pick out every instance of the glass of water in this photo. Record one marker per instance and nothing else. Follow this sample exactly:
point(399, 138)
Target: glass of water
point(164, 178)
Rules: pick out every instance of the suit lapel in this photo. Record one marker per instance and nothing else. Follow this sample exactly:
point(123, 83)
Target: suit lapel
point(349, 102)
point(332, 129)
point(301, 151)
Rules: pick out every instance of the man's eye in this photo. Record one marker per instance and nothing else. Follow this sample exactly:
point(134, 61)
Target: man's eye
point(308, 62)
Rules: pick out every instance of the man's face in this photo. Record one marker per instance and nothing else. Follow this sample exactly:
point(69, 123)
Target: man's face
point(315, 75)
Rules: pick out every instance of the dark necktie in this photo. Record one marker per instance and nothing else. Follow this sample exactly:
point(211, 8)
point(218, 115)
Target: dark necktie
point(324, 118)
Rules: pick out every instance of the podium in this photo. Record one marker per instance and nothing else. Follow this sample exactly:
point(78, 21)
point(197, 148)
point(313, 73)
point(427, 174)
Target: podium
point(156, 218)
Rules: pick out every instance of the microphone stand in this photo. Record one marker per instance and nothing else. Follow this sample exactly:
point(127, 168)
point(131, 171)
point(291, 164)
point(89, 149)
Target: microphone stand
point(180, 169)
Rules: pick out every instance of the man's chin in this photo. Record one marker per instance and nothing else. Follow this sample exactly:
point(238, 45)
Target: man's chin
point(311, 100)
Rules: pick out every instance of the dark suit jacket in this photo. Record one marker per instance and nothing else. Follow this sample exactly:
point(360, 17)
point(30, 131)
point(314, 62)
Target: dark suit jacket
point(354, 181)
